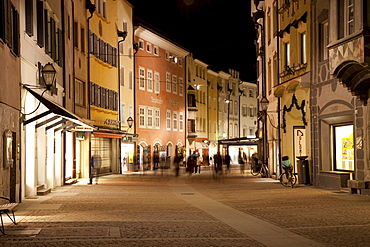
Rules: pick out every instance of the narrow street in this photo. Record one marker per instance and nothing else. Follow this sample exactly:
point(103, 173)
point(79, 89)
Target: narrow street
point(159, 209)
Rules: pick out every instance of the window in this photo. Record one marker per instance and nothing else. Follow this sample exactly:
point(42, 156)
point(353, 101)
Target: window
point(156, 50)
point(168, 82)
point(150, 80)
point(179, 62)
point(82, 40)
point(323, 41)
point(181, 86)
point(130, 79)
point(141, 78)
point(75, 34)
point(303, 48)
point(141, 44)
point(156, 83)
point(191, 100)
point(123, 117)
point(181, 122)
point(80, 92)
point(142, 117)
point(344, 148)
point(174, 84)
point(236, 132)
point(29, 17)
point(175, 120)
point(251, 93)
point(346, 18)
point(122, 76)
point(244, 110)
point(104, 9)
point(40, 23)
point(287, 54)
point(167, 56)
point(150, 118)
point(9, 25)
point(148, 47)
point(191, 125)
point(157, 119)
point(168, 120)
point(236, 108)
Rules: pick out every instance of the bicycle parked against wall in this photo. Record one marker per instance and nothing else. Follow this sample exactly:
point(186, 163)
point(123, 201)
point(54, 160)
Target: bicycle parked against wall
point(258, 168)
point(287, 178)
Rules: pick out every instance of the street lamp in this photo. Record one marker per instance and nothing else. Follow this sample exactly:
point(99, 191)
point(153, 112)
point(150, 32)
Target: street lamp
point(48, 74)
point(130, 122)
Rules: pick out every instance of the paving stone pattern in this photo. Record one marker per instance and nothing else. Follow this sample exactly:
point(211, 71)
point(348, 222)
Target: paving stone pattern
point(144, 210)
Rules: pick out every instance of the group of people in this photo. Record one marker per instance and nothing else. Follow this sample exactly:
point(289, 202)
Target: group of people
point(194, 163)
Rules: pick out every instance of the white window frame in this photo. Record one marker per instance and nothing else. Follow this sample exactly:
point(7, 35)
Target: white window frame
point(149, 74)
point(157, 83)
point(167, 56)
point(150, 118)
point(168, 119)
point(141, 44)
point(174, 84)
point(156, 50)
point(181, 122)
point(141, 78)
point(149, 47)
point(175, 120)
point(181, 86)
point(157, 118)
point(142, 113)
point(168, 82)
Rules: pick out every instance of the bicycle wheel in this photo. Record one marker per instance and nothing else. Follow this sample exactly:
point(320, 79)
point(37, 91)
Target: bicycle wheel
point(288, 181)
point(265, 172)
point(255, 170)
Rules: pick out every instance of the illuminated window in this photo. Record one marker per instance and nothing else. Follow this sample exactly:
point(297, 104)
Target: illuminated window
point(181, 86)
point(141, 78)
point(168, 120)
point(142, 117)
point(150, 118)
point(156, 83)
point(303, 48)
point(175, 120)
point(150, 80)
point(343, 148)
point(168, 82)
point(174, 84)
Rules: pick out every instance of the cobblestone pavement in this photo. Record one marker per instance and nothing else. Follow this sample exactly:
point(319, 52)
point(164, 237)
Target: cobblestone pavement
point(158, 209)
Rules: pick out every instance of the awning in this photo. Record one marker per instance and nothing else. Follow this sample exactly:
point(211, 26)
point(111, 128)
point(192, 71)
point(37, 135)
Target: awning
point(59, 117)
point(107, 135)
point(239, 141)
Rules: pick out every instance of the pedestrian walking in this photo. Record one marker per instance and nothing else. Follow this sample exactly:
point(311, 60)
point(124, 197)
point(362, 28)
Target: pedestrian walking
point(218, 162)
point(227, 162)
point(242, 159)
point(176, 162)
point(95, 164)
point(199, 164)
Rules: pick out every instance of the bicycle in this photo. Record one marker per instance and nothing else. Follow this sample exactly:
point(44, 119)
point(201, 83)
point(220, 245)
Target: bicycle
point(259, 168)
point(288, 178)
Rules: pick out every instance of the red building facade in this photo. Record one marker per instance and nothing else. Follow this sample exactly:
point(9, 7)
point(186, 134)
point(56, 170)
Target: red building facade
point(159, 100)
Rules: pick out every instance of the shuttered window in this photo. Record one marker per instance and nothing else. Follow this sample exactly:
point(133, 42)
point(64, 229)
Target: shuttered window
point(2, 20)
point(40, 23)
point(60, 48)
point(29, 17)
point(53, 40)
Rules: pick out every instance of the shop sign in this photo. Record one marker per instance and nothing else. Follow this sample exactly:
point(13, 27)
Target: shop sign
point(299, 141)
point(111, 122)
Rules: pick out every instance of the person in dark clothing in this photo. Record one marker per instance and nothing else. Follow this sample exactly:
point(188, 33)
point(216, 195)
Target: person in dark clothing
point(218, 162)
point(227, 161)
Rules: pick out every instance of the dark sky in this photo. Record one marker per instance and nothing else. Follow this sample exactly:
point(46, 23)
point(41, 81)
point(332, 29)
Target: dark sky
point(218, 32)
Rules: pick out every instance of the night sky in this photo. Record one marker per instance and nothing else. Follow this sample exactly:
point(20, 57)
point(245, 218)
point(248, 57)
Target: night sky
point(219, 33)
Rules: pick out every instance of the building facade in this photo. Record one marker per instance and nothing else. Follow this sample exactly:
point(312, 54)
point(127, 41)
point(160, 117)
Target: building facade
point(10, 107)
point(340, 90)
point(160, 99)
